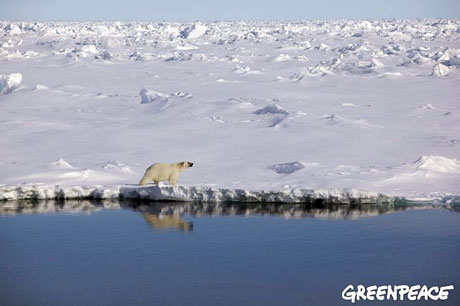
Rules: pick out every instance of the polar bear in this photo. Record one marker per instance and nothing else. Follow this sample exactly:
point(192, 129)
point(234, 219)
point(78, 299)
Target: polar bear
point(164, 172)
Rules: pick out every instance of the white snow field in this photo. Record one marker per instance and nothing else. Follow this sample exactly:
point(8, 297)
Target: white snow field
point(270, 111)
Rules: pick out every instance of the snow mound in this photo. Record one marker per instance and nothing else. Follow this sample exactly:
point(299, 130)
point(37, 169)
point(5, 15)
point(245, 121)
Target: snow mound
point(41, 87)
point(287, 168)
point(161, 99)
point(180, 94)
point(151, 96)
point(323, 47)
point(271, 109)
point(186, 47)
point(83, 51)
point(337, 65)
point(8, 83)
point(13, 29)
point(427, 106)
point(425, 172)
point(392, 49)
point(334, 119)
point(191, 194)
point(326, 67)
point(81, 175)
point(62, 164)
point(181, 56)
point(282, 58)
point(116, 166)
point(276, 114)
point(376, 63)
point(241, 70)
point(450, 57)
point(440, 164)
point(440, 70)
point(390, 75)
point(194, 31)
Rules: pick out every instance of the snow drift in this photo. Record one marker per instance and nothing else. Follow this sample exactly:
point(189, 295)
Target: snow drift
point(8, 83)
point(151, 96)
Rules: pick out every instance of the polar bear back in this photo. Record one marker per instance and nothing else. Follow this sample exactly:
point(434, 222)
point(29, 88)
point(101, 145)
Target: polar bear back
point(163, 171)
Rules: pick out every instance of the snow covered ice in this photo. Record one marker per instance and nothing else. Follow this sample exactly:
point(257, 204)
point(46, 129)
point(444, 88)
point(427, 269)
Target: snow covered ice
point(272, 107)
point(10, 82)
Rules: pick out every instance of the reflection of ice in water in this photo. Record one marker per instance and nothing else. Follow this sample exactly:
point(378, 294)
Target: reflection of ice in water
point(167, 215)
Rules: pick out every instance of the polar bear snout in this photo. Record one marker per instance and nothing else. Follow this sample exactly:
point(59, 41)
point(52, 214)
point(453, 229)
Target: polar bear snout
point(186, 164)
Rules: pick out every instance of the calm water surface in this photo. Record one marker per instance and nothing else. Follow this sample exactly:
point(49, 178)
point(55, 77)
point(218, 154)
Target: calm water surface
point(183, 254)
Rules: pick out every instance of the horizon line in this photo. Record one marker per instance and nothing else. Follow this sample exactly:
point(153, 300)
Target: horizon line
point(229, 20)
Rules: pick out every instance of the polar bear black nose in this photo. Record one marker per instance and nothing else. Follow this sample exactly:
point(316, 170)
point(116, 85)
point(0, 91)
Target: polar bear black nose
point(190, 164)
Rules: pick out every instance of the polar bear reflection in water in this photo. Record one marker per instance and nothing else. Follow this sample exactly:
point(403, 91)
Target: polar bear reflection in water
point(164, 172)
point(167, 222)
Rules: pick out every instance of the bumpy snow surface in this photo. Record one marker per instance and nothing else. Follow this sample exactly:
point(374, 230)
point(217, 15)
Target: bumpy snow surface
point(269, 111)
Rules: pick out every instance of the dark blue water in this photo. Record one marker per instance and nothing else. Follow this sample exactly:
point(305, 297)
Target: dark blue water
point(127, 257)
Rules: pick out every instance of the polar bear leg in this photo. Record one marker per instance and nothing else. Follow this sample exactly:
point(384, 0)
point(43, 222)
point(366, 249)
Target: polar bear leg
point(173, 179)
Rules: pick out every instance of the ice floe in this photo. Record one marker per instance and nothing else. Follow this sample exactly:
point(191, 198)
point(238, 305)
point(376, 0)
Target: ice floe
point(372, 95)
point(190, 194)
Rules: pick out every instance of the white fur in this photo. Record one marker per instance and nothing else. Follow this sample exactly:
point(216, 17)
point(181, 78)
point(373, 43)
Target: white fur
point(164, 172)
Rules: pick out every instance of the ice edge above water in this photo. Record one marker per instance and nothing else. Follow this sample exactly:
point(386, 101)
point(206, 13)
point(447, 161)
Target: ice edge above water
point(208, 194)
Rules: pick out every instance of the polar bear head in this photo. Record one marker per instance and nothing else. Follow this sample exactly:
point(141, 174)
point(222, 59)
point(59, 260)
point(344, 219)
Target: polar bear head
point(185, 164)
